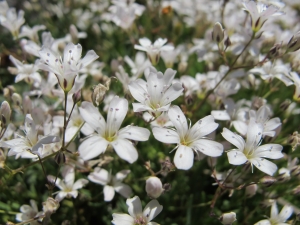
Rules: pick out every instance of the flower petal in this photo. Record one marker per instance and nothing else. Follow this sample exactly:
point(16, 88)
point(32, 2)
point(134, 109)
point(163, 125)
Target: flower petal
point(264, 165)
point(117, 111)
point(234, 139)
point(125, 150)
point(123, 189)
point(165, 135)
point(203, 127)
point(92, 117)
point(179, 120)
point(285, 213)
point(99, 176)
point(122, 219)
point(109, 193)
point(236, 157)
point(134, 133)
point(122, 175)
point(152, 209)
point(271, 151)
point(184, 157)
point(134, 206)
point(92, 147)
point(208, 147)
point(80, 184)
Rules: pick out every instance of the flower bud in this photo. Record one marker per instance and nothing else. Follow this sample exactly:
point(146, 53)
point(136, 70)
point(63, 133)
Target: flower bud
point(27, 105)
point(228, 218)
point(218, 33)
point(227, 42)
point(294, 43)
point(17, 99)
point(60, 158)
point(76, 96)
point(154, 187)
point(5, 113)
point(268, 181)
point(251, 190)
point(50, 205)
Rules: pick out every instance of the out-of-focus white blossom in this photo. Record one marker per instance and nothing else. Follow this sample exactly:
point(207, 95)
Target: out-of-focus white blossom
point(111, 183)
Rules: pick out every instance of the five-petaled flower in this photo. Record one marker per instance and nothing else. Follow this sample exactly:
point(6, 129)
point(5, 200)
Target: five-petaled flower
point(155, 95)
point(189, 139)
point(251, 150)
point(108, 133)
point(66, 69)
point(137, 216)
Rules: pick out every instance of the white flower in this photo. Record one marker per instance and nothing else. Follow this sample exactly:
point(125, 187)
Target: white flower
point(67, 186)
point(28, 212)
point(251, 150)
point(137, 216)
point(275, 218)
point(108, 133)
point(26, 72)
point(12, 21)
point(235, 113)
point(28, 146)
point(260, 13)
point(66, 69)
point(262, 116)
point(153, 50)
point(188, 139)
point(157, 93)
point(31, 33)
point(111, 183)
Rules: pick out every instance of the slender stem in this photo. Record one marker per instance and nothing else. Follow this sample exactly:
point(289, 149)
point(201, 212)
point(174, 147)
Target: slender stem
point(65, 122)
point(30, 220)
point(8, 212)
point(231, 68)
point(70, 114)
point(44, 171)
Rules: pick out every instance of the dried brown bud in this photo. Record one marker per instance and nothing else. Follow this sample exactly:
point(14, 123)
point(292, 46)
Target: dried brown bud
point(99, 92)
point(274, 51)
point(284, 105)
point(294, 140)
point(167, 187)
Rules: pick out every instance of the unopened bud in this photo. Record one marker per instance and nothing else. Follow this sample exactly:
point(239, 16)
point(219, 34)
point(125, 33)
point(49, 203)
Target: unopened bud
point(284, 105)
point(182, 66)
point(217, 33)
point(294, 140)
point(99, 92)
point(227, 42)
point(268, 181)
point(228, 218)
point(294, 43)
point(251, 190)
point(76, 96)
point(74, 33)
point(60, 158)
point(5, 113)
point(154, 187)
point(274, 51)
point(296, 190)
point(8, 91)
point(50, 205)
point(17, 99)
point(295, 171)
point(27, 105)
